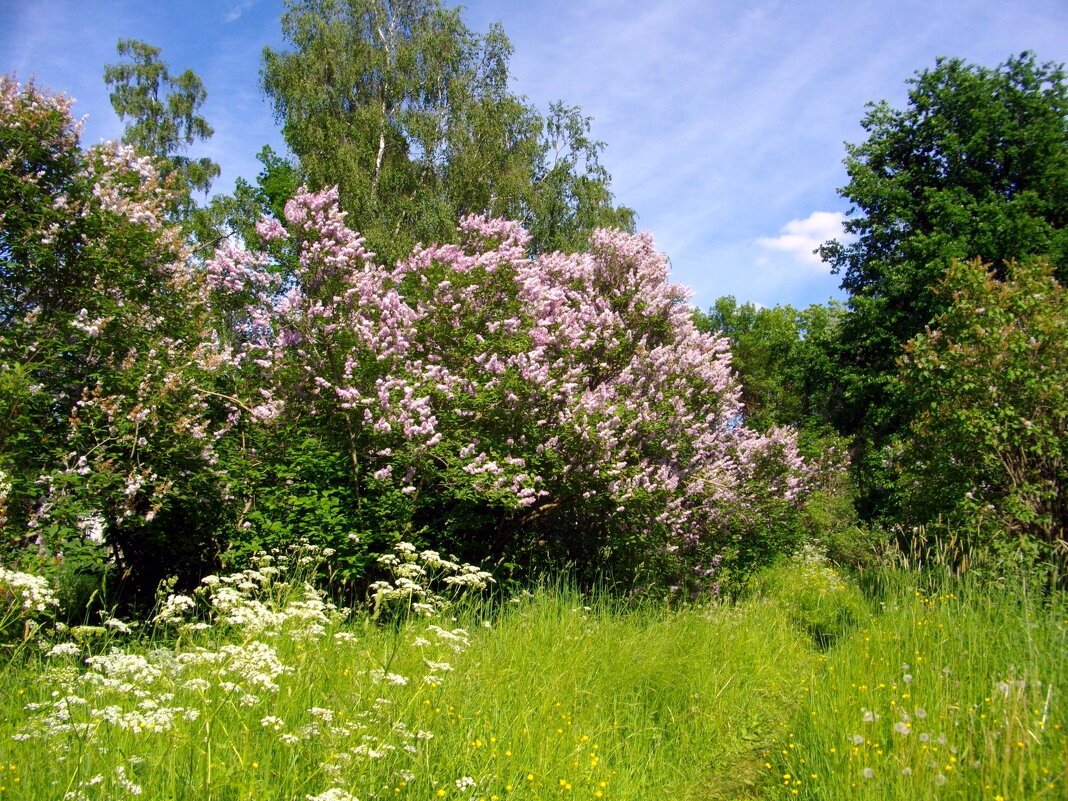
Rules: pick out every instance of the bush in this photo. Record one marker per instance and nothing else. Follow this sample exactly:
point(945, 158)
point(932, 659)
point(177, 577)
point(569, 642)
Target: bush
point(562, 409)
point(987, 451)
point(553, 410)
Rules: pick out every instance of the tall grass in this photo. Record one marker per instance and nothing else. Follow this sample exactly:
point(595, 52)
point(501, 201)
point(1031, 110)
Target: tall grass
point(954, 690)
point(803, 688)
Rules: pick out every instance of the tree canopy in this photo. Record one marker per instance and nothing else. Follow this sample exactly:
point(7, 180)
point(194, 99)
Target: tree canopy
point(163, 115)
point(783, 358)
point(975, 166)
point(408, 112)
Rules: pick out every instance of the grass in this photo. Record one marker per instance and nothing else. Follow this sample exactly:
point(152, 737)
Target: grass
point(554, 695)
point(951, 691)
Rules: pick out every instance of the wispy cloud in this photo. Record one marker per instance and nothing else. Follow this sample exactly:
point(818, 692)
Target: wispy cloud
point(722, 120)
point(237, 8)
point(800, 238)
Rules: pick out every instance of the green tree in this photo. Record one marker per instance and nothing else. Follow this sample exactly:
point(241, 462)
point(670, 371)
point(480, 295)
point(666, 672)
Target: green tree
point(975, 166)
point(786, 362)
point(237, 214)
point(408, 112)
point(784, 358)
point(109, 422)
point(163, 119)
point(989, 442)
point(569, 195)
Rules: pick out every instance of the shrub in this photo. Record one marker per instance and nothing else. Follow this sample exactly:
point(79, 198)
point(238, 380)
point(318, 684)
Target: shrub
point(988, 449)
point(562, 408)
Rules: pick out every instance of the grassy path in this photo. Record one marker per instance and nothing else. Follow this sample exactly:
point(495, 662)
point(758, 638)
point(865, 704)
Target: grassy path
point(805, 689)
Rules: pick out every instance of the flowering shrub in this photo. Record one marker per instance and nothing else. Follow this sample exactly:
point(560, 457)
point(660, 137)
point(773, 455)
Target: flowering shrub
point(506, 404)
point(110, 426)
point(159, 411)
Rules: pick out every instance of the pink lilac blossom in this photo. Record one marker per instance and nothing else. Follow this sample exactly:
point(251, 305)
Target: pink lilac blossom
point(533, 379)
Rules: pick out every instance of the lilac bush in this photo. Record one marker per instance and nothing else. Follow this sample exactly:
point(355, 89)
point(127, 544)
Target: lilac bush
point(110, 428)
point(507, 404)
point(529, 411)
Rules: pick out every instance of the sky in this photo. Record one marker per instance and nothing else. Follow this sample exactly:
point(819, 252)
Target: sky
point(724, 121)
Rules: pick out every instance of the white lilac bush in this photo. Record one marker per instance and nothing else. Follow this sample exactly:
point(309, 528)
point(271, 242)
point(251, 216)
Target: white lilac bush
point(109, 357)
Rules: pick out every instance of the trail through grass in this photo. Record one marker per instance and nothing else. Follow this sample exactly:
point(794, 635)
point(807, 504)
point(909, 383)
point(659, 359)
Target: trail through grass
point(803, 689)
point(952, 691)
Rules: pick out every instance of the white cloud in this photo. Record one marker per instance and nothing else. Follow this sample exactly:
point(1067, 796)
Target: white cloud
point(801, 237)
point(238, 8)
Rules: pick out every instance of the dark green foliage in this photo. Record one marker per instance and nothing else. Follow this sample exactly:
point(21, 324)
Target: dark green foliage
point(784, 357)
point(987, 450)
point(786, 361)
point(976, 166)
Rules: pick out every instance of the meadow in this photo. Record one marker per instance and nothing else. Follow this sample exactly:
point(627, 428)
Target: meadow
point(811, 684)
point(183, 386)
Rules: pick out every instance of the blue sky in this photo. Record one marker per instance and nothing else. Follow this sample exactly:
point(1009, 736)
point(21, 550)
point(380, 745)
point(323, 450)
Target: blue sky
point(724, 120)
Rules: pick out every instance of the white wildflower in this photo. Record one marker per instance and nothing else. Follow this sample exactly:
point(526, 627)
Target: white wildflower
point(378, 676)
point(32, 593)
point(333, 794)
point(175, 608)
point(124, 781)
point(65, 649)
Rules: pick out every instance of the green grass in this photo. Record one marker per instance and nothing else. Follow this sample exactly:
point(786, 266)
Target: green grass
point(952, 691)
point(554, 695)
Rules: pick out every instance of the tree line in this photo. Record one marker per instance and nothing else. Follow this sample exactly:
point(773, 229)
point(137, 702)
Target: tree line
point(944, 370)
point(429, 320)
